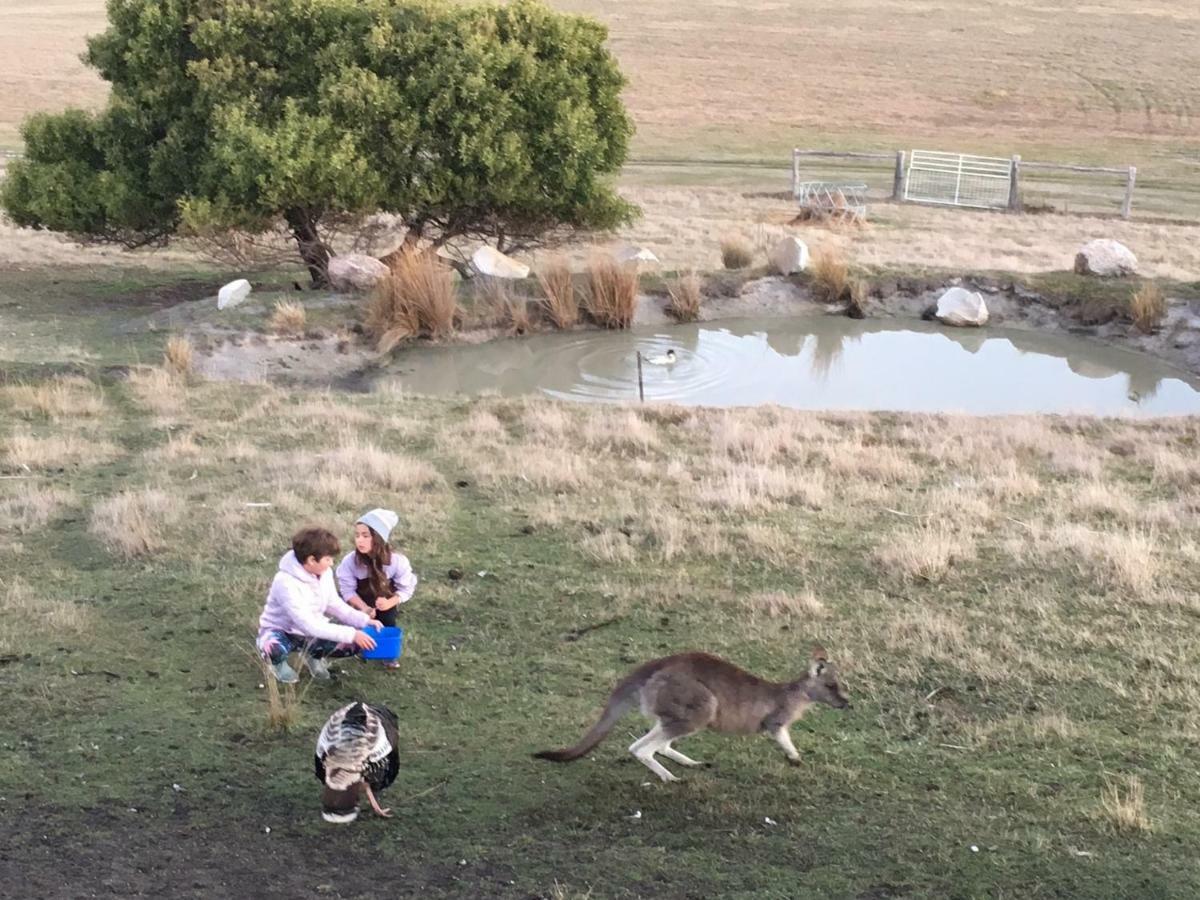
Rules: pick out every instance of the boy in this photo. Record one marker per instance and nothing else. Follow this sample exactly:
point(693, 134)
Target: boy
point(302, 595)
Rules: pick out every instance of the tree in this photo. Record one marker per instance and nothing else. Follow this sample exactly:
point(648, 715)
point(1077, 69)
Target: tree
point(499, 123)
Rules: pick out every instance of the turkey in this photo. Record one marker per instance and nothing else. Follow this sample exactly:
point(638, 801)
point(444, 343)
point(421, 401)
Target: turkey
point(356, 755)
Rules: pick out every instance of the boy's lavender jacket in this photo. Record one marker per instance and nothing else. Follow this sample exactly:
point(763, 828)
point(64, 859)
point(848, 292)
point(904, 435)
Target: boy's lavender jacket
point(399, 572)
point(298, 603)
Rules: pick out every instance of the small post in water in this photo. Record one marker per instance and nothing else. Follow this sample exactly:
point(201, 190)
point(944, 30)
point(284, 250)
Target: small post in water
point(641, 387)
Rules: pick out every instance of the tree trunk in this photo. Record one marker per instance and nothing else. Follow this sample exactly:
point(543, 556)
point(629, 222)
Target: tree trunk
point(308, 240)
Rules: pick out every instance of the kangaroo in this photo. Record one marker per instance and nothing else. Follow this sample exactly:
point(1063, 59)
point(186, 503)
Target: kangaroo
point(689, 692)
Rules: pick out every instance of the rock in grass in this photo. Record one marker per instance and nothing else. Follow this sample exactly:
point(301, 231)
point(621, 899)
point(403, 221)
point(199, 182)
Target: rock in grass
point(490, 261)
point(1105, 258)
point(233, 293)
point(355, 272)
point(789, 255)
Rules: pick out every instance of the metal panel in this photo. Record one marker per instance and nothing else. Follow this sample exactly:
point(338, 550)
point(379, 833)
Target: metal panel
point(956, 179)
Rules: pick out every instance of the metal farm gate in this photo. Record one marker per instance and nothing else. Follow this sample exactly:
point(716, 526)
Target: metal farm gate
point(955, 179)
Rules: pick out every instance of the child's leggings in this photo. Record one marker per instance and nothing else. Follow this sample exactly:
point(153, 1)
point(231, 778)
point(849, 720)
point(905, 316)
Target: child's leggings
point(276, 645)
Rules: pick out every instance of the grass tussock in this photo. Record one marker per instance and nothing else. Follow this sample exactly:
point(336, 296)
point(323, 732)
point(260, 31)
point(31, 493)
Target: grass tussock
point(1123, 805)
point(1147, 306)
point(62, 397)
point(178, 355)
point(560, 300)
point(417, 299)
point(31, 506)
point(611, 298)
point(26, 612)
point(685, 293)
point(31, 453)
point(288, 318)
point(923, 553)
point(283, 702)
point(132, 524)
point(736, 251)
point(829, 275)
point(159, 390)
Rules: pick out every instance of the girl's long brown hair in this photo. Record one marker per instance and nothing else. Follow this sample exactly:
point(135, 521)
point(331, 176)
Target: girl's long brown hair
point(380, 556)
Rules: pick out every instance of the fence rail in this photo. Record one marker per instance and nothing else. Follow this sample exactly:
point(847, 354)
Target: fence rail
point(1013, 169)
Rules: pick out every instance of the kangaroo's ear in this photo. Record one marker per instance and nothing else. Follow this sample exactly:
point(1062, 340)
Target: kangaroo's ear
point(819, 653)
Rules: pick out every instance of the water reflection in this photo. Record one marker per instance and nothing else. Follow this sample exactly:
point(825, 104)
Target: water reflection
point(824, 363)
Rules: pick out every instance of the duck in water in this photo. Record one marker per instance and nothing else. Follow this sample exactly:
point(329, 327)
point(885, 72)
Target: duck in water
point(666, 359)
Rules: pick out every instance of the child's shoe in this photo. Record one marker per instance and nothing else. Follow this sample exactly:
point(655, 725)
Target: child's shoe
point(284, 673)
point(318, 668)
point(392, 664)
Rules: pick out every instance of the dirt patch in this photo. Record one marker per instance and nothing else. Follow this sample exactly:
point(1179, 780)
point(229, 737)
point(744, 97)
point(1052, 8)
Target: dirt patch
point(120, 852)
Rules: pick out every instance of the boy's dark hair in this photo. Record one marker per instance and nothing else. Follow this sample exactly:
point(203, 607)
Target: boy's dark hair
point(316, 542)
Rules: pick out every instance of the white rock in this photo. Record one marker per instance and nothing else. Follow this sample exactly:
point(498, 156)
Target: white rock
point(1105, 258)
point(789, 255)
point(490, 261)
point(355, 272)
point(958, 306)
point(632, 254)
point(233, 293)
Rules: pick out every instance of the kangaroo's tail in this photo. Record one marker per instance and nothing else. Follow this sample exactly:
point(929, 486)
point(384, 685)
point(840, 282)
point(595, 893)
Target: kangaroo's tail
point(622, 699)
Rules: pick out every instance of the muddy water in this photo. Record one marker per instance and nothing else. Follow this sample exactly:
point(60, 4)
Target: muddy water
point(816, 363)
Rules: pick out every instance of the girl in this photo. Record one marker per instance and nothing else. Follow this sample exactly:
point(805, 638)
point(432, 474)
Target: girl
point(373, 577)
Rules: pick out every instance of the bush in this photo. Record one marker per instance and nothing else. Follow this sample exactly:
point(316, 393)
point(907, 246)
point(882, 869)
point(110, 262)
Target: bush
point(685, 297)
point(829, 276)
point(417, 298)
point(611, 299)
point(1147, 307)
point(289, 317)
point(736, 252)
point(560, 303)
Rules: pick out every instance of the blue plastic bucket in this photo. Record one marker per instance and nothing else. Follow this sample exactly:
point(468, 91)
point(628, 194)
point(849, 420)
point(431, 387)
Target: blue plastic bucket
point(389, 643)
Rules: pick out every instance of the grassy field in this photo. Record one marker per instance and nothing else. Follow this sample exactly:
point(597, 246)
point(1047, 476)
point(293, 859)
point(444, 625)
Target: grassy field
point(736, 79)
point(1012, 601)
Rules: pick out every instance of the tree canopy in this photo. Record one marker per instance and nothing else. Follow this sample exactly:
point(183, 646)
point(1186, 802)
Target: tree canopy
point(496, 122)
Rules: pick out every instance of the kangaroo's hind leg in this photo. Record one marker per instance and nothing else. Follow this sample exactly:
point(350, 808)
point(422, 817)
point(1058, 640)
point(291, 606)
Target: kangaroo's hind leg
point(671, 753)
point(682, 706)
point(646, 746)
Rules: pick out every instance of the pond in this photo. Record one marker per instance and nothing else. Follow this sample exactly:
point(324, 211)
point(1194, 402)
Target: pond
point(827, 362)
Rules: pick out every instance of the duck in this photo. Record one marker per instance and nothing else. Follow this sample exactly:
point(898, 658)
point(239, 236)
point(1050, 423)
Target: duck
point(666, 359)
point(356, 755)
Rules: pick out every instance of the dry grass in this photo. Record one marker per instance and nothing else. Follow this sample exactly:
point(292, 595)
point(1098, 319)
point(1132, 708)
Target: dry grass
point(561, 302)
point(26, 613)
point(29, 452)
point(612, 294)
point(924, 552)
point(779, 604)
point(685, 294)
point(1126, 561)
point(32, 505)
point(62, 397)
point(417, 298)
point(736, 252)
point(132, 524)
point(829, 275)
point(1123, 805)
point(283, 701)
point(159, 390)
point(288, 318)
point(1147, 306)
point(177, 357)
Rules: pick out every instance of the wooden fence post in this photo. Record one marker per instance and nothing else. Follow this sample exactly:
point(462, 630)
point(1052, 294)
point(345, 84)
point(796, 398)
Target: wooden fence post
point(795, 172)
point(898, 178)
point(1127, 206)
point(1014, 185)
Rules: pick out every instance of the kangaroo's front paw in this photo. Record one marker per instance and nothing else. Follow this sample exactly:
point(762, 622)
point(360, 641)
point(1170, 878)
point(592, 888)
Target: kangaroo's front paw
point(795, 761)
